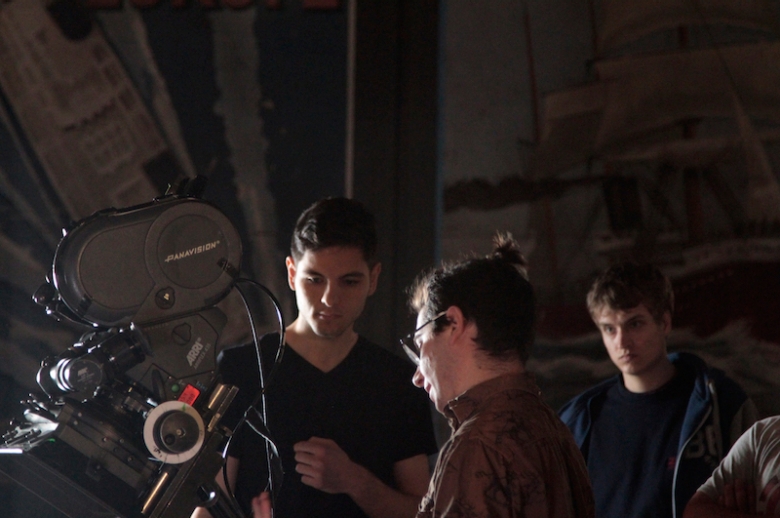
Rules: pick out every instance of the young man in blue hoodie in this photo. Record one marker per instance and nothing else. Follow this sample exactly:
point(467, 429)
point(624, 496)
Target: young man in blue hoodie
point(654, 433)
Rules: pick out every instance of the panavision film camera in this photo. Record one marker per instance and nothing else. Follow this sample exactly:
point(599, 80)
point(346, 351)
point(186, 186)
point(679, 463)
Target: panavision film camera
point(128, 424)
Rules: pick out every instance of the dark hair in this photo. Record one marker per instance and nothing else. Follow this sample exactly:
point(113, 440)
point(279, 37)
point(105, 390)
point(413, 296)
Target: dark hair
point(335, 222)
point(626, 285)
point(491, 291)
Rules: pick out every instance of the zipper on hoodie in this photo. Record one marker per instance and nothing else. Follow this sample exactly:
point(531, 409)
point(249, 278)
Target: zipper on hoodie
point(711, 389)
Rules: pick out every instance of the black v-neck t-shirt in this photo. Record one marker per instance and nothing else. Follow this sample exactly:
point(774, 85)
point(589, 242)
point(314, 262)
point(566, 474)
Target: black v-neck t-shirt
point(367, 404)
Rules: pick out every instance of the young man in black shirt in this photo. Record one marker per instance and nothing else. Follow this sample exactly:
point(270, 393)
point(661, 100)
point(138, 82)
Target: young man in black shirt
point(353, 433)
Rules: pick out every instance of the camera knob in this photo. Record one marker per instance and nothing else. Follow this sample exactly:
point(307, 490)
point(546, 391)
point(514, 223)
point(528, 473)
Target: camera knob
point(174, 432)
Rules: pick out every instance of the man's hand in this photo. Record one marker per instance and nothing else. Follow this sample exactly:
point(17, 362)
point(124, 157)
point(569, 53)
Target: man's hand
point(261, 505)
point(324, 465)
point(739, 496)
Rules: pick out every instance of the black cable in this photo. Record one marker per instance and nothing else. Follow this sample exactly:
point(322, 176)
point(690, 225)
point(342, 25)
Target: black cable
point(274, 466)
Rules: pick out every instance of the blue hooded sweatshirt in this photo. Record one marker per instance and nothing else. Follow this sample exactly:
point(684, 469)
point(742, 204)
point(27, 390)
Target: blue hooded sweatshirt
point(716, 404)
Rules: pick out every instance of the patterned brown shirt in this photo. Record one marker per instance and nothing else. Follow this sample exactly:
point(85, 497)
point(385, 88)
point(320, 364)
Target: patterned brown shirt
point(509, 456)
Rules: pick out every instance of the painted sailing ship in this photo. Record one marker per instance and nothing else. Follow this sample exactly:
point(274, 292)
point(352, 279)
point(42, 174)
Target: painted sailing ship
point(677, 127)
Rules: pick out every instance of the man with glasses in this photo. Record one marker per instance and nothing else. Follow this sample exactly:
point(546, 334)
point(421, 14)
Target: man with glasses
point(509, 454)
point(353, 434)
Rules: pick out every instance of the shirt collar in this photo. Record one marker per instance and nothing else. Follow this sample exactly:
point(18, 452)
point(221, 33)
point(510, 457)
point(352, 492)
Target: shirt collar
point(467, 404)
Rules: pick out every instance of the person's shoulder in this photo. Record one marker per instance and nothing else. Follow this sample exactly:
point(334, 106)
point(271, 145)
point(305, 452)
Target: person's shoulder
point(246, 354)
point(707, 372)
point(725, 385)
point(236, 356)
point(369, 348)
point(768, 423)
point(694, 363)
point(763, 434)
point(730, 394)
point(241, 348)
point(596, 390)
point(382, 361)
point(767, 429)
point(579, 403)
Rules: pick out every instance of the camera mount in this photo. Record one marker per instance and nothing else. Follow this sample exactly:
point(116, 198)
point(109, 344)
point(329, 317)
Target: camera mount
point(128, 424)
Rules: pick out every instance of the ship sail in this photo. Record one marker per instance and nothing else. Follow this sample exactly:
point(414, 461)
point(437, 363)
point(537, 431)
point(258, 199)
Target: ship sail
point(655, 91)
point(623, 21)
point(636, 107)
point(763, 189)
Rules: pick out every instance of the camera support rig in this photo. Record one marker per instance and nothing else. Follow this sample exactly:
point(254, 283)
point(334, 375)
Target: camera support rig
point(129, 422)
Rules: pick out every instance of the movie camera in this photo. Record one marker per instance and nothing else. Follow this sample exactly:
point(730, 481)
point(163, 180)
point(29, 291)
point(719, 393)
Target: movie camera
point(129, 422)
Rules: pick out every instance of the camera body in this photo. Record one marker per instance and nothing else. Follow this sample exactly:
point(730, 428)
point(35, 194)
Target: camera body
point(148, 263)
point(129, 422)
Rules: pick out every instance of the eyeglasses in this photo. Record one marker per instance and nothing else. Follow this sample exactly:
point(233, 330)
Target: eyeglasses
point(410, 347)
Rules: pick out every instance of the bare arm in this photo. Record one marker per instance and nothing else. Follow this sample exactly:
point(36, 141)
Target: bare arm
point(261, 505)
point(738, 501)
point(380, 501)
point(324, 466)
point(231, 466)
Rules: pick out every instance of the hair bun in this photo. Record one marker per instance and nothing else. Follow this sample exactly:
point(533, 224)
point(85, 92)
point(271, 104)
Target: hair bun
point(506, 249)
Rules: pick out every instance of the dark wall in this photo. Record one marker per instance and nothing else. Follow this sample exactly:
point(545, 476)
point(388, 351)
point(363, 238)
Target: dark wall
point(395, 163)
